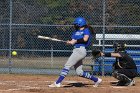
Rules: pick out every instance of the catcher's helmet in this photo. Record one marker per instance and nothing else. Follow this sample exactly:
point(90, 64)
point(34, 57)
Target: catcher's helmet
point(80, 21)
point(119, 47)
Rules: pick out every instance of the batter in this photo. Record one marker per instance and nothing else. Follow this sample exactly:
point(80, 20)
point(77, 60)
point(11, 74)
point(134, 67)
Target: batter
point(81, 39)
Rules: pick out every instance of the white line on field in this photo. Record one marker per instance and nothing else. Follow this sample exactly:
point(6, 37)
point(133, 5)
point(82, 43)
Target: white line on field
point(118, 86)
point(23, 88)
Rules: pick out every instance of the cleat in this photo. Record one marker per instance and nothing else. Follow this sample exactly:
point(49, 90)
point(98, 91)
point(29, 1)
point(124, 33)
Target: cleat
point(131, 83)
point(96, 84)
point(134, 83)
point(54, 85)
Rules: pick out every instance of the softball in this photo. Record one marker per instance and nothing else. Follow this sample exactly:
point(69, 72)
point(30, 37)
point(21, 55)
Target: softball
point(14, 53)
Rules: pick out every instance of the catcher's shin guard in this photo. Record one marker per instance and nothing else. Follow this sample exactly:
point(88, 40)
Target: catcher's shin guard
point(121, 77)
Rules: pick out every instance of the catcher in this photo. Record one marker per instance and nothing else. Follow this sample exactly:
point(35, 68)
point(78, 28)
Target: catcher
point(124, 68)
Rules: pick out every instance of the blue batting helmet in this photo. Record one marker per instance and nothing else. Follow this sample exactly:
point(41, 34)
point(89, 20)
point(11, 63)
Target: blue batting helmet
point(80, 21)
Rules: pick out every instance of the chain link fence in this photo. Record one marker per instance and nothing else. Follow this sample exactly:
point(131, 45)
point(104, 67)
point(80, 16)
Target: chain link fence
point(22, 20)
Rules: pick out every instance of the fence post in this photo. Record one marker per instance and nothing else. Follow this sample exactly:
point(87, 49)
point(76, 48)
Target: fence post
point(51, 56)
point(10, 36)
point(103, 47)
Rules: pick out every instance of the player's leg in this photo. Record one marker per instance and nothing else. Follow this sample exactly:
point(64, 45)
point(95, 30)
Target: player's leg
point(73, 59)
point(78, 67)
point(130, 73)
point(124, 77)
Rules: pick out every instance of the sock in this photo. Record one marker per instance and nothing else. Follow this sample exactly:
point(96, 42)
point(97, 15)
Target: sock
point(63, 74)
point(88, 76)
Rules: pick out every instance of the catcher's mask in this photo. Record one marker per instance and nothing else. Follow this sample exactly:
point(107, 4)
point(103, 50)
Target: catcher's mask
point(119, 47)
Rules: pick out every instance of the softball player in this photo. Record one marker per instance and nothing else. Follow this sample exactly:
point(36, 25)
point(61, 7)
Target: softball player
point(124, 68)
point(81, 39)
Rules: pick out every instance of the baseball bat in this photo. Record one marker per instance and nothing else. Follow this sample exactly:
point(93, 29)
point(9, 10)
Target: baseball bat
point(49, 38)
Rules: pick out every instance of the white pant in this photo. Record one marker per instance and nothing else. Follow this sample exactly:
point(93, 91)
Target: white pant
point(76, 59)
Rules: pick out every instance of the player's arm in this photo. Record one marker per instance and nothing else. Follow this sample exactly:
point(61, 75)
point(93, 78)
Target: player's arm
point(71, 42)
point(97, 53)
point(82, 40)
point(85, 37)
point(111, 54)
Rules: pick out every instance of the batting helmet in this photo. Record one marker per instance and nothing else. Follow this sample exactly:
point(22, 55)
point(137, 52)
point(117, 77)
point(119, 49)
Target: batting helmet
point(119, 47)
point(80, 21)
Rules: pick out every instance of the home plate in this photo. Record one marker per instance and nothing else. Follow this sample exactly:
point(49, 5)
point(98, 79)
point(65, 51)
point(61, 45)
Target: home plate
point(118, 87)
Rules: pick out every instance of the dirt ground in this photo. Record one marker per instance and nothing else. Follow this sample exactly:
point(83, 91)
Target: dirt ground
point(15, 83)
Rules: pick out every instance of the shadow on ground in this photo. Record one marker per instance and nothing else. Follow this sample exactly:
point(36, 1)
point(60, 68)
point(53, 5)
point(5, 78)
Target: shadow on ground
point(78, 84)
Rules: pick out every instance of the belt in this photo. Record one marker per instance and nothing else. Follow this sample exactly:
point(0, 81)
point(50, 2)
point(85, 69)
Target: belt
point(79, 46)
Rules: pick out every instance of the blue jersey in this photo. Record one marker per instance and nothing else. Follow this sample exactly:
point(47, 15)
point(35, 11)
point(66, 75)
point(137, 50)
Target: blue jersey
point(80, 34)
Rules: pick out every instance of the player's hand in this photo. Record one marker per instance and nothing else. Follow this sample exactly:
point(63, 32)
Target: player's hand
point(71, 42)
point(101, 53)
point(68, 42)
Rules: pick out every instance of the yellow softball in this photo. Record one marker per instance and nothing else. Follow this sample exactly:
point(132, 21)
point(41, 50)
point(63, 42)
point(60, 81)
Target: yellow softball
point(14, 53)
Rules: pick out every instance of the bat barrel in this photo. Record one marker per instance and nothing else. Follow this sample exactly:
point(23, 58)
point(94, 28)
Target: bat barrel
point(49, 38)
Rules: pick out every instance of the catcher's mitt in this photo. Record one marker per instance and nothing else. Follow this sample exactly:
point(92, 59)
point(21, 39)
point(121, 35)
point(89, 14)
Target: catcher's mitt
point(96, 53)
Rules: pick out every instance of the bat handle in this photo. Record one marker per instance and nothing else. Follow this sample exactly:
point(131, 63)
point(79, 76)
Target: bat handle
point(64, 41)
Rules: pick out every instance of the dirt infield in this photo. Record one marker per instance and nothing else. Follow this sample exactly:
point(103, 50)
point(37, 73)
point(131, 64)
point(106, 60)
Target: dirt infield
point(13, 83)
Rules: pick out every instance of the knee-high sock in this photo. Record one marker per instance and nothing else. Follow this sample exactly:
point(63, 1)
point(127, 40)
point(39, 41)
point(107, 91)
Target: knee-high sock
point(89, 76)
point(63, 74)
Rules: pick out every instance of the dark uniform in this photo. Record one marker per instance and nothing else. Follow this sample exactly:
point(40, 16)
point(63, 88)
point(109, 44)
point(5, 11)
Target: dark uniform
point(124, 69)
point(125, 65)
